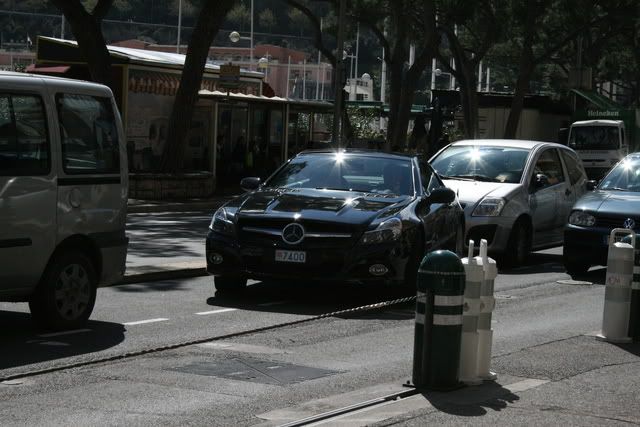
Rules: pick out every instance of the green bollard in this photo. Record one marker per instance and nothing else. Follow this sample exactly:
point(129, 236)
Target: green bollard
point(442, 279)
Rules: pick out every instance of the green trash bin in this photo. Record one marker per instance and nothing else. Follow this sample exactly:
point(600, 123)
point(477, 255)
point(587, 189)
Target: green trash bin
point(441, 281)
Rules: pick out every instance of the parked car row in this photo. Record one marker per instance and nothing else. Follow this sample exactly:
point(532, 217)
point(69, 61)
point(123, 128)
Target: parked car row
point(369, 216)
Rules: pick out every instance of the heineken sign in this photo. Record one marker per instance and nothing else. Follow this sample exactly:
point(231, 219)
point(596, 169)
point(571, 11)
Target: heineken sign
point(601, 114)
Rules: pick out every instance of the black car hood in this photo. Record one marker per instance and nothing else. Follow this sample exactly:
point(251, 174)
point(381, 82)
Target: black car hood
point(320, 205)
point(614, 202)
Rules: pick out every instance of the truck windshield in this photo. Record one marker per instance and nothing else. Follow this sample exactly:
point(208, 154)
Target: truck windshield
point(594, 138)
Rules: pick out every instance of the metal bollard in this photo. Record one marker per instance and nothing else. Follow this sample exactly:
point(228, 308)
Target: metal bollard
point(617, 297)
point(634, 305)
point(441, 277)
point(474, 273)
point(487, 305)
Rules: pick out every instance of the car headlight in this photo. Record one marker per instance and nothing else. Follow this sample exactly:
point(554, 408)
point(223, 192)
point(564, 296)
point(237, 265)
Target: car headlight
point(581, 218)
point(220, 223)
point(387, 231)
point(489, 206)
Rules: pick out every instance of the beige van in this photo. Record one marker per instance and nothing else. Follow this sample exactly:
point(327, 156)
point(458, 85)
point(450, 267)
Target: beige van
point(63, 196)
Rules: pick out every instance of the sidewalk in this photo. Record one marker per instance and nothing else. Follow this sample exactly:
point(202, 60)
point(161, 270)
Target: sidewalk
point(167, 238)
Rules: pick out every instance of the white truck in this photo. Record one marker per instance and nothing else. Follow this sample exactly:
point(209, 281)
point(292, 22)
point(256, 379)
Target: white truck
point(599, 143)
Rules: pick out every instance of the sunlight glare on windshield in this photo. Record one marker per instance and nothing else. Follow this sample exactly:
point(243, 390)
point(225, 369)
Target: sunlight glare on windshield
point(339, 157)
point(475, 155)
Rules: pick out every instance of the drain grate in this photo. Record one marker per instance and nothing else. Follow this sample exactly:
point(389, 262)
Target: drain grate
point(255, 370)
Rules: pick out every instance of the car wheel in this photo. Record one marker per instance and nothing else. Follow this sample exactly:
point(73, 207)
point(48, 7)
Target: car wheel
point(230, 283)
point(66, 294)
point(519, 245)
point(574, 266)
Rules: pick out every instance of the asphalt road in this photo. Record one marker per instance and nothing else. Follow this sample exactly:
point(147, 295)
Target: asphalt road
point(241, 378)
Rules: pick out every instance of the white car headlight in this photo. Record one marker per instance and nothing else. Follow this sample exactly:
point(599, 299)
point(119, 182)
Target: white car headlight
point(220, 223)
point(489, 206)
point(388, 230)
point(582, 219)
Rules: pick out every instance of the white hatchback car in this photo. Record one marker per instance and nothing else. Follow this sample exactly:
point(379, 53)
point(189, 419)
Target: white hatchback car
point(516, 194)
point(63, 195)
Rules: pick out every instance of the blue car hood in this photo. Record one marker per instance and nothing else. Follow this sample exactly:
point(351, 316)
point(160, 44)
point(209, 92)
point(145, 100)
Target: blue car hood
point(614, 202)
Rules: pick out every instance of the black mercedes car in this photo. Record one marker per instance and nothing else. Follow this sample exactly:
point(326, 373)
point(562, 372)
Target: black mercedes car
point(335, 216)
point(615, 203)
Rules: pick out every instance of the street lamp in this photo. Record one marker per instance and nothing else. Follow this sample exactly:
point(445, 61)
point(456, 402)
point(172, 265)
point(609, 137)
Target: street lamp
point(263, 64)
point(235, 37)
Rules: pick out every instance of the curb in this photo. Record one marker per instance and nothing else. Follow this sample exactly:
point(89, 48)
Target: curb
point(177, 206)
point(181, 273)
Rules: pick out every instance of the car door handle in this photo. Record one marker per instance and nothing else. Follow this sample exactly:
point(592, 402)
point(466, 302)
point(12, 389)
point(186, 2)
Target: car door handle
point(567, 192)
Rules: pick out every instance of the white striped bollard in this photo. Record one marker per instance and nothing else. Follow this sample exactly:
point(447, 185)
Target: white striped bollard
point(474, 273)
point(487, 305)
point(617, 296)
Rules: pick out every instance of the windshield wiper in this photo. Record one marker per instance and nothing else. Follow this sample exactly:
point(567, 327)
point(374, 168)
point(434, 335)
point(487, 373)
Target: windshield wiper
point(476, 177)
point(615, 188)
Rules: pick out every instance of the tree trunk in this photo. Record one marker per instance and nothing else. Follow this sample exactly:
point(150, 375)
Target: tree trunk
point(87, 30)
point(517, 103)
point(396, 75)
point(469, 98)
point(209, 20)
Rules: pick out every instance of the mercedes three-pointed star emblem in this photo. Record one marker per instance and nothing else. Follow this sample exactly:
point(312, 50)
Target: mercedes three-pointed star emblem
point(293, 233)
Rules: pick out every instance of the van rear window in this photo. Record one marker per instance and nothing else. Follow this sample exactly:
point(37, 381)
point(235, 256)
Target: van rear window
point(89, 134)
point(24, 142)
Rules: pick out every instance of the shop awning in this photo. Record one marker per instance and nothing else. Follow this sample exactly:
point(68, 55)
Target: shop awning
point(599, 101)
point(34, 69)
point(219, 95)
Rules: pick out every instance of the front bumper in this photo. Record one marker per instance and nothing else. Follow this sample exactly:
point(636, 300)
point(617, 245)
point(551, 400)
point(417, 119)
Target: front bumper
point(588, 244)
point(349, 263)
point(495, 230)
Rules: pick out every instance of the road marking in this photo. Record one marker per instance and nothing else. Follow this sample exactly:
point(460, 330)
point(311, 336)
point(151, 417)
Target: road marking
point(140, 322)
point(223, 310)
point(524, 385)
point(57, 334)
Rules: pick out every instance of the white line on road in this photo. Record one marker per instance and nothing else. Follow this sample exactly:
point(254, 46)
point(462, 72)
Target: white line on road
point(140, 322)
point(57, 334)
point(222, 310)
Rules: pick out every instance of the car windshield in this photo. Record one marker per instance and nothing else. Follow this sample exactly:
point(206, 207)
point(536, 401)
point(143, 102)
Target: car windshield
point(481, 163)
point(346, 172)
point(624, 177)
point(594, 138)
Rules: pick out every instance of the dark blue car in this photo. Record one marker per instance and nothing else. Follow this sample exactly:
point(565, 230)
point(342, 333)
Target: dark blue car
point(615, 203)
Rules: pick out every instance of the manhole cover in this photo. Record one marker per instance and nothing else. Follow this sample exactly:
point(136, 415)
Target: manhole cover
point(255, 370)
point(574, 282)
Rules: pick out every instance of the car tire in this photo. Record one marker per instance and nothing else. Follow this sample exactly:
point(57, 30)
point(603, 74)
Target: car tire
point(66, 294)
point(519, 245)
point(230, 284)
point(573, 265)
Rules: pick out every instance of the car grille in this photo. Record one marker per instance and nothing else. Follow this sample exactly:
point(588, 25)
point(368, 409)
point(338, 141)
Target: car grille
point(616, 222)
point(268, 231)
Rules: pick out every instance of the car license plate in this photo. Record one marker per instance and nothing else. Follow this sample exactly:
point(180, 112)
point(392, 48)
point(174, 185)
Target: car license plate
point(291, 256)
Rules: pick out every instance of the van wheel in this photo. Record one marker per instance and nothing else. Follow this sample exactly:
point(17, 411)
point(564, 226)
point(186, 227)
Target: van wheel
point(230, 283)
point(66, 294)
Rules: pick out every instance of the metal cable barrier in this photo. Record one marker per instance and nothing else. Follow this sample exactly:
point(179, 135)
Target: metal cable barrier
point(127, 355)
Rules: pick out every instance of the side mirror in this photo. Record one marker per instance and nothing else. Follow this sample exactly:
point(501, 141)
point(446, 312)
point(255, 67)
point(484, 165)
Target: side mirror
point(250, 183)
point(591, 184)
point(442, 195)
